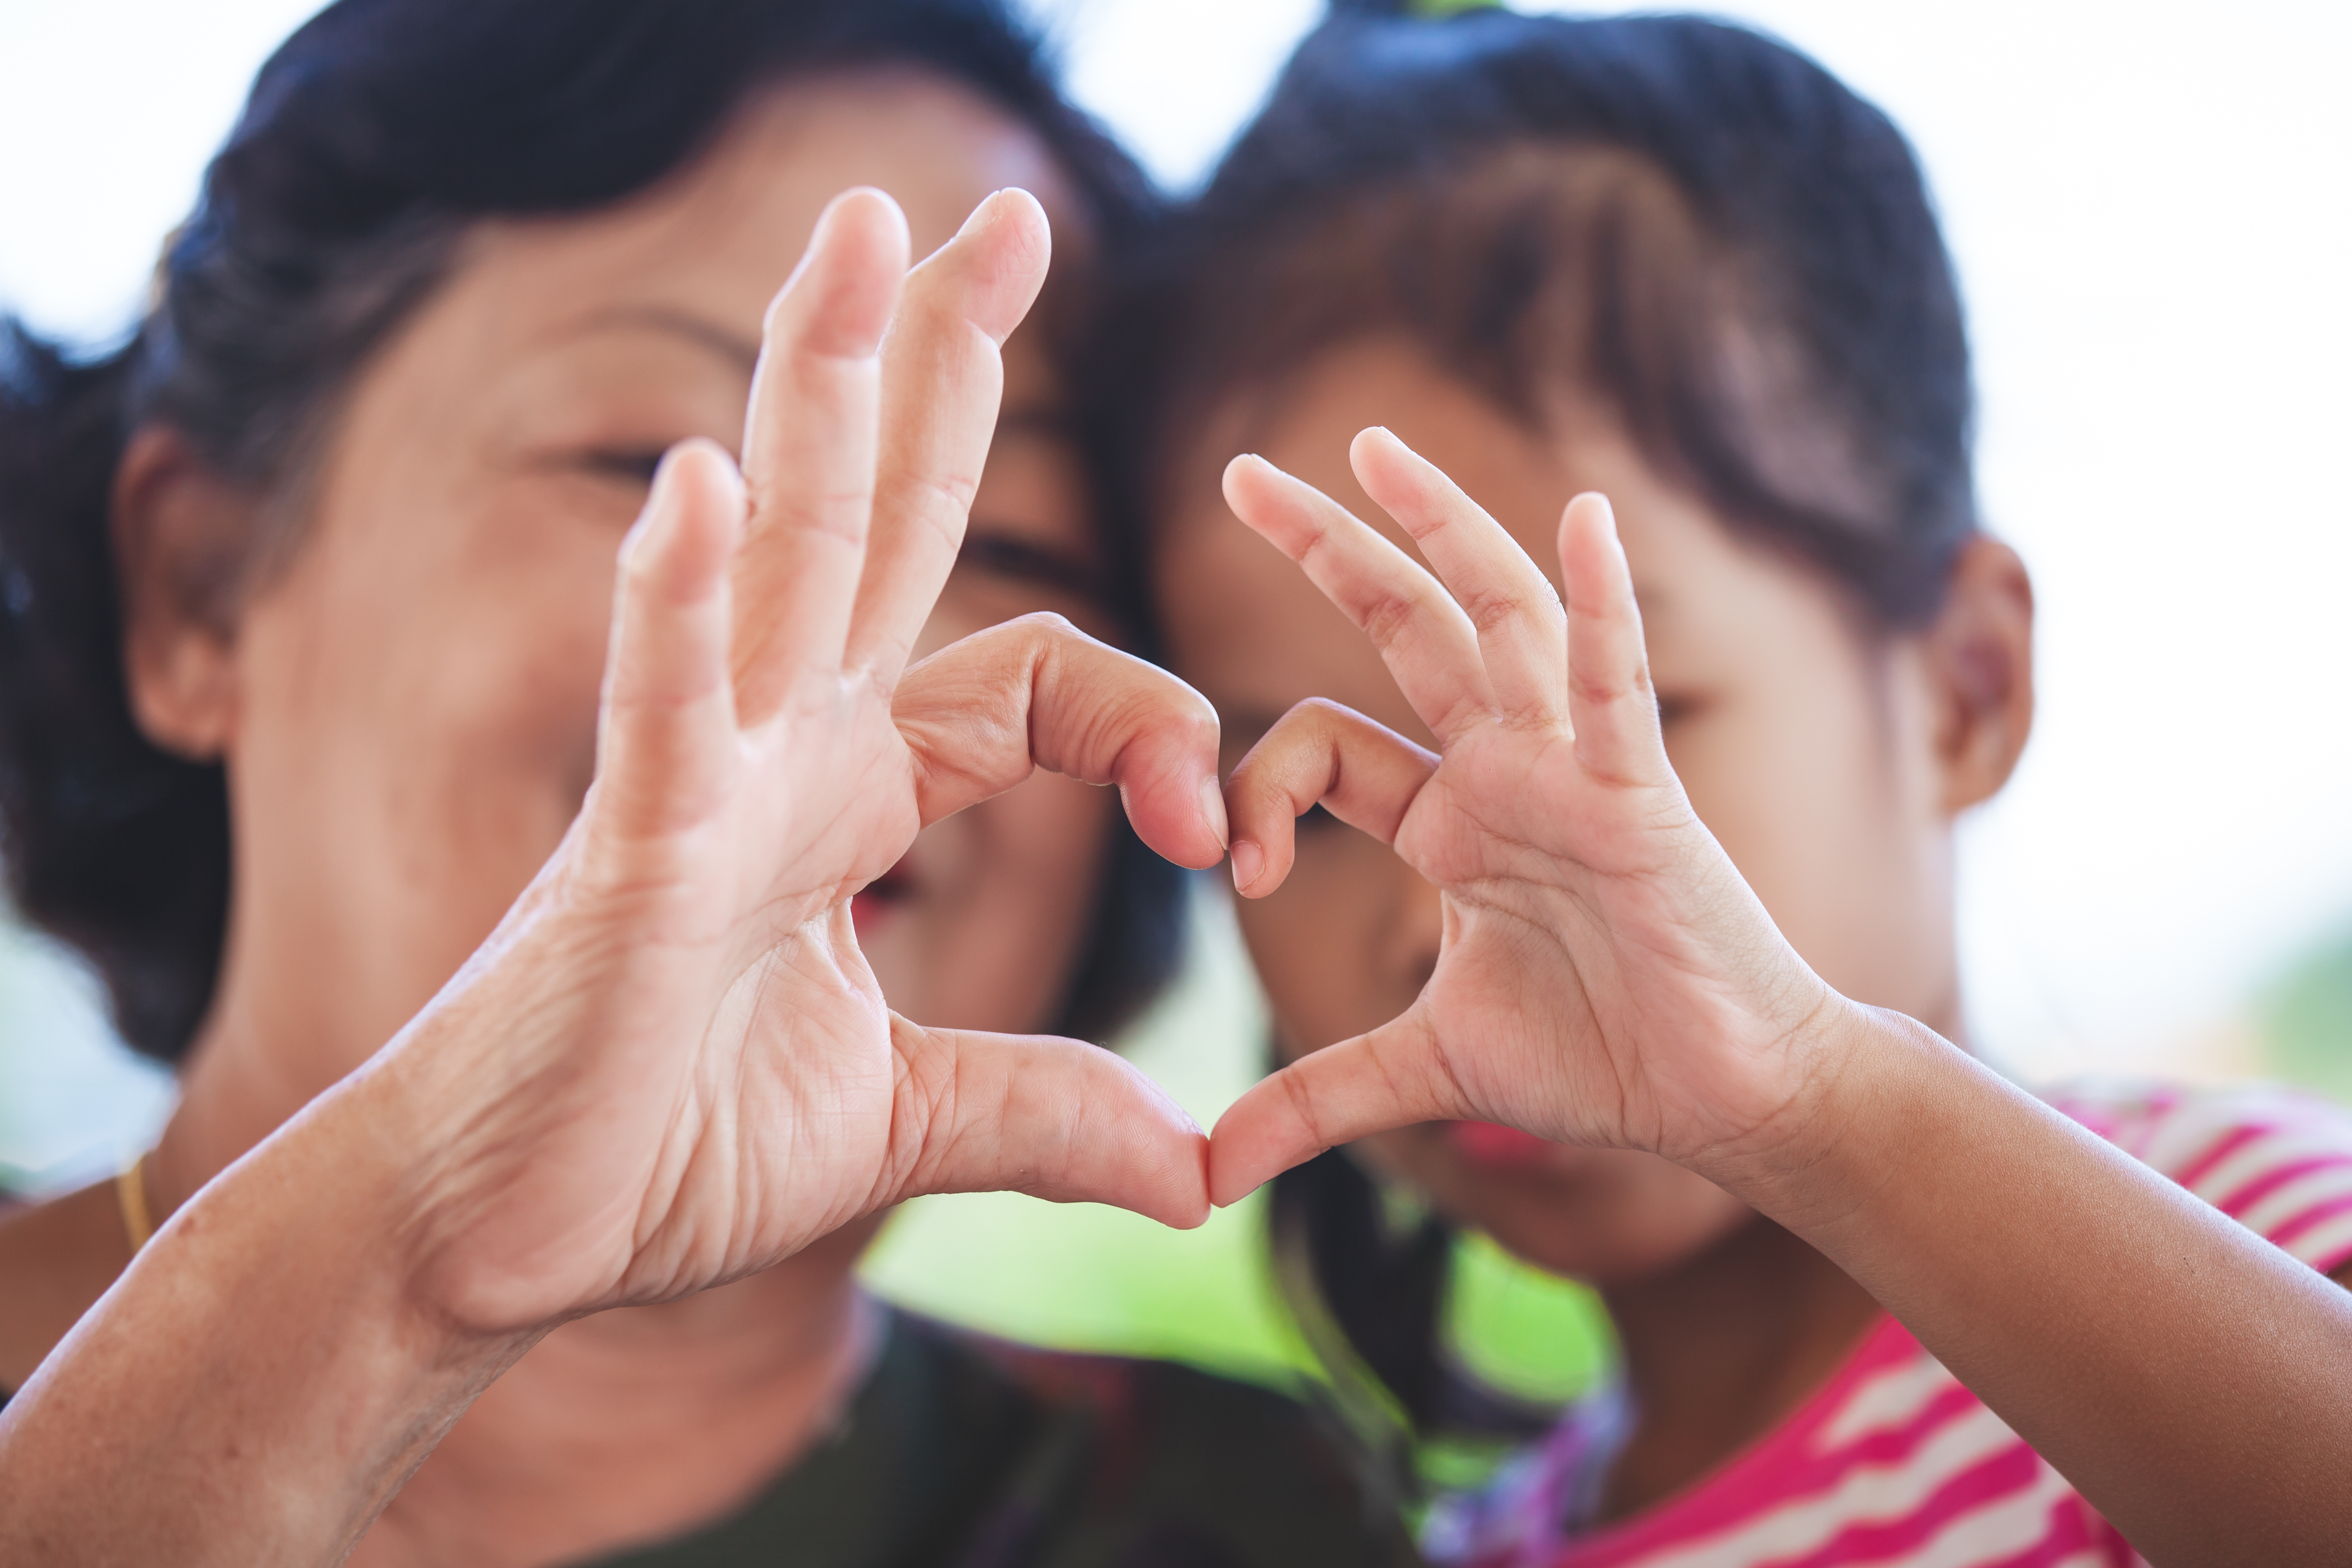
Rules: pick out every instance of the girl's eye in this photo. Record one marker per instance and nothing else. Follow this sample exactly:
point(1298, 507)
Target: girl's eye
point(1674, 708)
point(1024, 560)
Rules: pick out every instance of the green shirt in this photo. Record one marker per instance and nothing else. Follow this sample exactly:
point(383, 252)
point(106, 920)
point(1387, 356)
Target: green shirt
point(963, 1453)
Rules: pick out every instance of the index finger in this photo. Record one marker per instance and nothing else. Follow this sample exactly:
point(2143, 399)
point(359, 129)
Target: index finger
point(980, 714)
point(1422, 636)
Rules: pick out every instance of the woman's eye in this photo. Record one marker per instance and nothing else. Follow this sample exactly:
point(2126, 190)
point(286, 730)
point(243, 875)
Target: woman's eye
point(628, 464)
point(1673, 707)
point(1025, 562)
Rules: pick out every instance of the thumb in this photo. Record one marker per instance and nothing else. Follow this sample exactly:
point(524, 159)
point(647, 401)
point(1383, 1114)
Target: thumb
point(1393, 1077)
point(1053, 1118)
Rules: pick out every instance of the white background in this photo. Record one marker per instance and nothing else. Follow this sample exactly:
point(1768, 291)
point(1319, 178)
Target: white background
point(2148, 207)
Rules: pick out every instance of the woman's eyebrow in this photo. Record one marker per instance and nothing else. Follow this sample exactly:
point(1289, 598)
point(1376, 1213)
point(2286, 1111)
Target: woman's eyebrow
point(738, 351)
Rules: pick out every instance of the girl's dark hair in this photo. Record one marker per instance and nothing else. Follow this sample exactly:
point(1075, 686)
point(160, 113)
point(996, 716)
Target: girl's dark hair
point(1673, 227)
point(373, 138)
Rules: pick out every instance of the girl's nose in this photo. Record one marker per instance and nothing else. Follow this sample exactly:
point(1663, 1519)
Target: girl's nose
point(1413, 929)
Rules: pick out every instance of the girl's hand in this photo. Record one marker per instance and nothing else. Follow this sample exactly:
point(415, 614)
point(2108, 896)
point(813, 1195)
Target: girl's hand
point(1606, 976)
point(671, 1065)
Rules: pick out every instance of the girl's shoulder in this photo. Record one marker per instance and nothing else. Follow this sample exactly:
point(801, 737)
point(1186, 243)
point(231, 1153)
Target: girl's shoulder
point(2277, 1160)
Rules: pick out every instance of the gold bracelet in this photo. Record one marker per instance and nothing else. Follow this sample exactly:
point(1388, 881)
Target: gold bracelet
point(131, 1192)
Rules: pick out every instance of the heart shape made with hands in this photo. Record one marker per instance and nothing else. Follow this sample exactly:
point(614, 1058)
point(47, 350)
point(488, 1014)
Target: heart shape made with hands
point(671, 1065)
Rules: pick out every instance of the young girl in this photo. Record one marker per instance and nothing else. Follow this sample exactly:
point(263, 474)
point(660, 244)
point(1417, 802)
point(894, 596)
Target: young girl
point(1677, 263)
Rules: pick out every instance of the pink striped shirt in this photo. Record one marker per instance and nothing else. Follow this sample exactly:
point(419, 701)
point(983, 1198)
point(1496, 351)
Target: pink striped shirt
point(1894, 1460)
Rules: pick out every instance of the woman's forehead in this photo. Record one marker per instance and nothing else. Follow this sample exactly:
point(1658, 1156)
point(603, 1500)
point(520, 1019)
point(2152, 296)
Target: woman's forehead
point(717, 239)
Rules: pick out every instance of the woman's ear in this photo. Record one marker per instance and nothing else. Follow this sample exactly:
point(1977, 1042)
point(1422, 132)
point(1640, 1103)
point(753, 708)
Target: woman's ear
point(1980, 658)
point(181, 537)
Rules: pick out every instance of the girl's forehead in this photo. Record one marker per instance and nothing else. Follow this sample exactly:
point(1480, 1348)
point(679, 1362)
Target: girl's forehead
point(1251, 630)
point(1305, 421)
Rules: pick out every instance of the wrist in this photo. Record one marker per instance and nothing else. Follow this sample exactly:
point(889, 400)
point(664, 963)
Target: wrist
point(361, 1179)
point(1854, 1097)
point(266, 1348)
point(498, 1159)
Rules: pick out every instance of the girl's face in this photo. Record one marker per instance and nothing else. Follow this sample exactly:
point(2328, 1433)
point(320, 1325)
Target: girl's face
point(1816, 753)
point(408, 707)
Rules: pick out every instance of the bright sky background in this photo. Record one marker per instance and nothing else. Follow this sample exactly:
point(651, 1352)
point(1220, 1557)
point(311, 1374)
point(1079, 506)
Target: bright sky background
point(2148, 207)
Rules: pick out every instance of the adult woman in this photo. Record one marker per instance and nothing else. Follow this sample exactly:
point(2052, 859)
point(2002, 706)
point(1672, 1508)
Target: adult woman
point(462, 274)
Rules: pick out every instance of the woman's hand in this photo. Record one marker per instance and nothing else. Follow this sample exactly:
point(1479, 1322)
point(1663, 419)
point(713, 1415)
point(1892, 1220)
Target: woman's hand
point(671, 1065)
point(1606, 976)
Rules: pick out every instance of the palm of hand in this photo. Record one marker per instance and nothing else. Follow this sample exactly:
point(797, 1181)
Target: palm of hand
point(671, 1065)
point(790, 1089)
point(1604, 975)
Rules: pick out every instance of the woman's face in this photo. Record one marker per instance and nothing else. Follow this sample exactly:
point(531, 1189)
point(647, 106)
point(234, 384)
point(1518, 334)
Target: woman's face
point(1804, 747)
point(416, 691)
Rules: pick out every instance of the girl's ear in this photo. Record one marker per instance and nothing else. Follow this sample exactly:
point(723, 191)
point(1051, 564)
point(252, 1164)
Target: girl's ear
point(181, 536)
point(1980, 660)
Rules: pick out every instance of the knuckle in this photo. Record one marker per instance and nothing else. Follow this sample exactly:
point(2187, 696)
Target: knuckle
point(1489, 608)
point(1301, 1095)
point(1047, 627)
point(1322, 711)
point(1386, 617)
point(941, 500)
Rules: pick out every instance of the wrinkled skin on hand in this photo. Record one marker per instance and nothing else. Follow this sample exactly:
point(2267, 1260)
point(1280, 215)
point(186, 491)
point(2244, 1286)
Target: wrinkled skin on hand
point(670, 1066)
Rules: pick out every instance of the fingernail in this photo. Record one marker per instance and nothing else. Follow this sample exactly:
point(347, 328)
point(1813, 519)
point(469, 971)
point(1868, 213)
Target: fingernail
point(630, 540)
point(1212, 808)
point(1248, 862)
point(656, 503)
point(981, 214)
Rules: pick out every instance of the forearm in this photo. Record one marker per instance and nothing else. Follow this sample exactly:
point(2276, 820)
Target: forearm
point(2194, 1382)
point(261, 1382)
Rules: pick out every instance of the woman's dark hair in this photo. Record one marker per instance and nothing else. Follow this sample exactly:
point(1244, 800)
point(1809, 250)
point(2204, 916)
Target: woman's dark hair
point(1671, 227)
point(373, 138)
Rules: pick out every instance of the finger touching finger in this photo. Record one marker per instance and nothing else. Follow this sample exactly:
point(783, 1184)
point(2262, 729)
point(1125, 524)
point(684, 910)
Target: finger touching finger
point(1036, 691)
point(809, 448)
point(1422, 634)
point(1394, 1076)
point(1612, 706)
point(1319, 752)
point(1522, 634)
point(1057, 1118)
point(942, 381)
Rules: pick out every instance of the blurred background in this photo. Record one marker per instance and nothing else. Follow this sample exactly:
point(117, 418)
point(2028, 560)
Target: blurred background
point(2147, 202)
